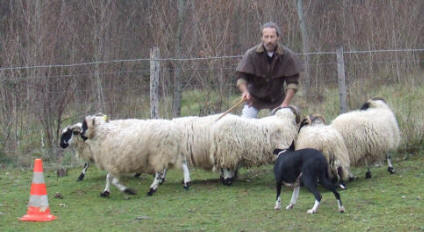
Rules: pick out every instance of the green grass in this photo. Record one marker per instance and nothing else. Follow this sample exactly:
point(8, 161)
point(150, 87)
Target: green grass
point(383, 203)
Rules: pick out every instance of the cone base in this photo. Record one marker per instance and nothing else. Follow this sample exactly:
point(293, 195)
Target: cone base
point(37, 218)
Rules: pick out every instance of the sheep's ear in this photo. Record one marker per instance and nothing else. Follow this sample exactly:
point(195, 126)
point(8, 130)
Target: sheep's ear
point(365, 106)
point(304, 122)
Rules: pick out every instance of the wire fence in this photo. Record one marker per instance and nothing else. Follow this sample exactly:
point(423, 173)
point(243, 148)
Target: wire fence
point(37, 101)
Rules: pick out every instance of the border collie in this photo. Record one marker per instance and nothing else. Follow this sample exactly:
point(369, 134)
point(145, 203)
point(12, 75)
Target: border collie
point(307, 166)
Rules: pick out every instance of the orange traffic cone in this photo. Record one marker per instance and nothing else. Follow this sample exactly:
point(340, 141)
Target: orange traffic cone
point(38, 206)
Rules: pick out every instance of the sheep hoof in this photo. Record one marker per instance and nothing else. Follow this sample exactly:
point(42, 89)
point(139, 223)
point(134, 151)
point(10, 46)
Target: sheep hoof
point(151, 191)
point(342, 209)
point(129, 191)
point(368, 175)
point(277, 207)
point(391, 170)
point(105, 194)
point(161, 181)
point(290, 206)
point(81, 177)
point(187, 185)
point(137, 175)
point(228, 182)
point(342, 186)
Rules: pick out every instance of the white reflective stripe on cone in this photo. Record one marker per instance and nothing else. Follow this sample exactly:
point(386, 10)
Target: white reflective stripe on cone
point(38, 178)
point(38, 201)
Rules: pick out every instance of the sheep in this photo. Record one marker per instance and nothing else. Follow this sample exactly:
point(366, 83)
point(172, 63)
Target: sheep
point(250, 142)
point(369, 133)
point(313, 133)
point(196, 139)
point(132, 145)
point(71, 137)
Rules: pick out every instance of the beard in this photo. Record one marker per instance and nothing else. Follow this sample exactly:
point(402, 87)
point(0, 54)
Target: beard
point(270, 47)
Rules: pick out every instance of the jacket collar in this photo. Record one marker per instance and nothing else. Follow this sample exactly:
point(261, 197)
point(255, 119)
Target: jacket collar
point(260, 48)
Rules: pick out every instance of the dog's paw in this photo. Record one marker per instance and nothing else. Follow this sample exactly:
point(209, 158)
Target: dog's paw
point(342, 209)
point(290, 206)
point(311, 211)
point(277, 206)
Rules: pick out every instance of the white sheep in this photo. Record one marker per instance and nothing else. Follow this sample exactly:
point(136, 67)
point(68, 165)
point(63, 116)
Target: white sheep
point(369, 133)
point(132, 145)
point(248, 142)
point(196, 140)
point(71, 137)
point(313, 133)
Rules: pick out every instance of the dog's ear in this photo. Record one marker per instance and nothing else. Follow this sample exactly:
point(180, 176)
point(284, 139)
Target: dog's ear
point(276, 151)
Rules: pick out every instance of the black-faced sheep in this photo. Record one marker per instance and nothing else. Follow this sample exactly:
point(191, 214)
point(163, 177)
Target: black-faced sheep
point(132, 145)
point(369, 133)
point(313, 133)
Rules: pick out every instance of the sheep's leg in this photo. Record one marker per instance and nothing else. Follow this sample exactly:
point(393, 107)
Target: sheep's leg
point(187, 179)
point(278, 200)
point(155, 184)
point(121, 187)
point(228, 176)
point(368, 173)
point(106, 191)
point(84, 170)
point(162, 177)
point(390, 168)
point(294, 197)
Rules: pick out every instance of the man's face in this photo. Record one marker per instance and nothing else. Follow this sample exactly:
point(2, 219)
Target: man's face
point(269, 38)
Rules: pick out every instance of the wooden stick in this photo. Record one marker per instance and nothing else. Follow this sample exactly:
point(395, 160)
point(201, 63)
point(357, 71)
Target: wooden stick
point(231, 109)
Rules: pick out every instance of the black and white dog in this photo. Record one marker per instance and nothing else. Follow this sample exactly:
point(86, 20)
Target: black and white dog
point(307, 166)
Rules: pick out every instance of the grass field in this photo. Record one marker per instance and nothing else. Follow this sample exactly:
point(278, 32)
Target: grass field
point(383, 203)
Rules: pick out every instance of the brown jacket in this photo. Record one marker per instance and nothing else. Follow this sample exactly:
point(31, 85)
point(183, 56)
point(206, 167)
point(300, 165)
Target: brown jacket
point(265, 80)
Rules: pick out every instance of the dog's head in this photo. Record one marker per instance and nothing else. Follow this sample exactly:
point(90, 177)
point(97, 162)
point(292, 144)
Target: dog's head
point(66, 138)
point(279, 151)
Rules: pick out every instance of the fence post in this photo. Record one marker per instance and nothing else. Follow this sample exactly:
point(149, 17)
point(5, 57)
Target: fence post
point(341, 79)
point(154, 82)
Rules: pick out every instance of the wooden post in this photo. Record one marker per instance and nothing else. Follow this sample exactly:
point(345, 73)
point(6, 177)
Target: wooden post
point(154, 82)
point(341, 80)
point(305, 43)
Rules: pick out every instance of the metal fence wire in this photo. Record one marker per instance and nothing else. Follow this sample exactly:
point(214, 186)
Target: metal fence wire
point(38, 101)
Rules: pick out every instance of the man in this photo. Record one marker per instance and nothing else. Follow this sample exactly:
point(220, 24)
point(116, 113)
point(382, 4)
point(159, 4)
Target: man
point(263, 71)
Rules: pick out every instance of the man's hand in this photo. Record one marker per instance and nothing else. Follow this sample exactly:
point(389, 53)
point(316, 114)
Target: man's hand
point(245, 96)
point(289, 95)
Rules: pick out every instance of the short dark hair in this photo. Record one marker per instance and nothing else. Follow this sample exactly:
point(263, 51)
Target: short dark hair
point(271, 25)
